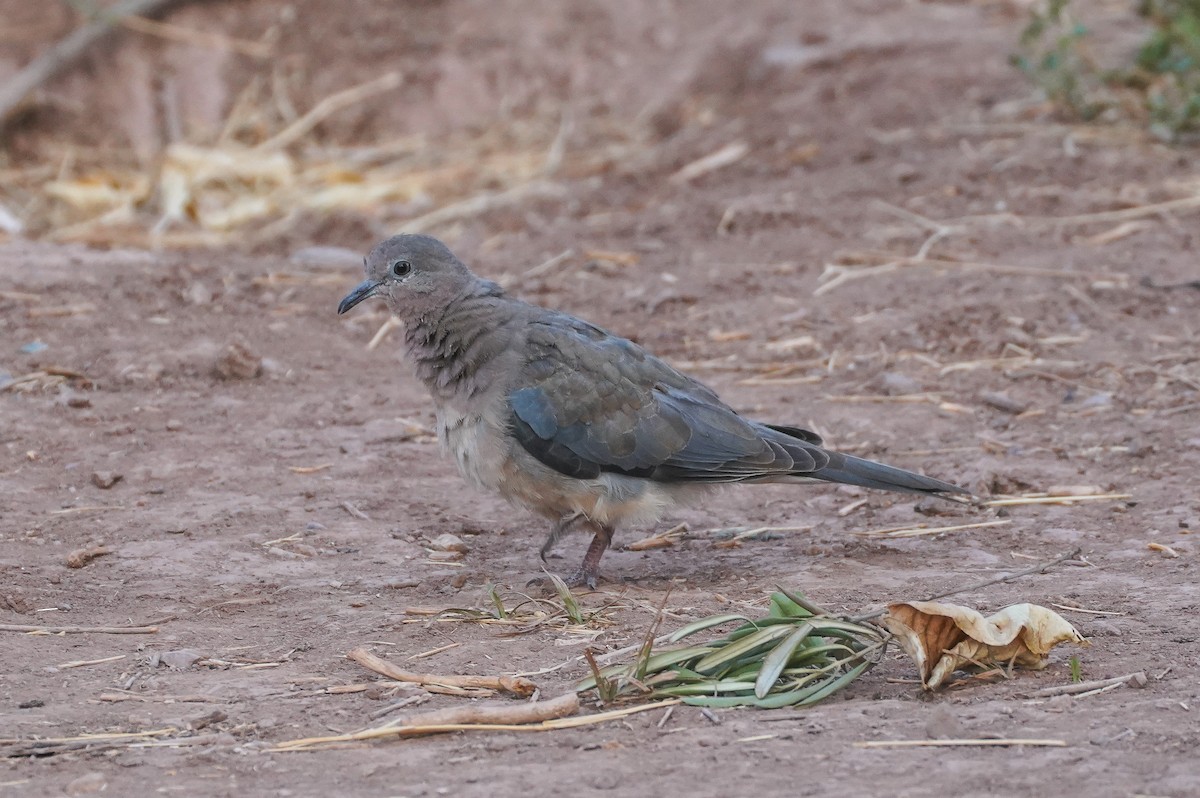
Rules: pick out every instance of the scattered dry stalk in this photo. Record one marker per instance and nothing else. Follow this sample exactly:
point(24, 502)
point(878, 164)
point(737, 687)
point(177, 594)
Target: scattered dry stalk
point(555, 714)
point(1131, 679)
point(514, 685)
point(79, 630)
point(975, 742)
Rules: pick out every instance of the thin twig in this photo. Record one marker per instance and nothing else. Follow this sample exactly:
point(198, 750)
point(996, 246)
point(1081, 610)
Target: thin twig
point(973, 742)
point(482, 203)
point(912, 530)
point(392, 707)
point(83, 663)
point(509, 684)
point(68, 50)
point(836, 274)
point(1133, 679)
point(389, 324)
point(1138, 212)
point(729, 154)
point(94, 743)
point(1017, 501)
point(329, 106)
point(79, 630)
point(1033, 569)
point(560, 719)
point(259, 50)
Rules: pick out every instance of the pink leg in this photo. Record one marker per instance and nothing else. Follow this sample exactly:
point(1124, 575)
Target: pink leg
point(590, 569)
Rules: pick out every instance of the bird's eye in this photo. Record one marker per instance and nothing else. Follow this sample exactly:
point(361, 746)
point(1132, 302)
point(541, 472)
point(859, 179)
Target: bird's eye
point(401, 268)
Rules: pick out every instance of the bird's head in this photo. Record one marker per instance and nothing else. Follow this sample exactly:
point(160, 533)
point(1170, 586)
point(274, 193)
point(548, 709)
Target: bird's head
point(414, 274)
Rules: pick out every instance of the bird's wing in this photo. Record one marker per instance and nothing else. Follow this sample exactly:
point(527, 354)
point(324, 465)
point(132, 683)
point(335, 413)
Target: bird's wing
point(587, 402)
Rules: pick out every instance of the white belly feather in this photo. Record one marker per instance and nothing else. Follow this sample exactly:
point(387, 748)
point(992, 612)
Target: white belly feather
point(475, 449)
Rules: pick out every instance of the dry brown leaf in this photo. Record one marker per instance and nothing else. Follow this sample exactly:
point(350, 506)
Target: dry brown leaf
point(943, 637)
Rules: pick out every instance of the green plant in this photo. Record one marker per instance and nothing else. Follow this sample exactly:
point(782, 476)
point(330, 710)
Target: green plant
point(1053, 55)
point(1161, 86)
point(1168, 65)
point(795, 656)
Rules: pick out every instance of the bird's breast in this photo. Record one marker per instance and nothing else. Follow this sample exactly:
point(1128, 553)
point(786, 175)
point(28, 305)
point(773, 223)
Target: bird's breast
point(475, 444)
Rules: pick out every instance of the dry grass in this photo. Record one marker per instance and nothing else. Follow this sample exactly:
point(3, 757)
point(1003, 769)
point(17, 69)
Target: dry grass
point(265, 173)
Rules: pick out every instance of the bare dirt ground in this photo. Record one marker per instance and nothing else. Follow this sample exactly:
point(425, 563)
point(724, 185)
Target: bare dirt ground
point(271, 519)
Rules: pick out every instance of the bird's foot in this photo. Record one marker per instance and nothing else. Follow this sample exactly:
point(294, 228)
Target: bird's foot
point(589, 569)
point(582, 578)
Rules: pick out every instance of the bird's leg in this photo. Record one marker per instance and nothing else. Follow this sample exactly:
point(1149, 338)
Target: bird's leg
point(561, 527)
point(590, 569)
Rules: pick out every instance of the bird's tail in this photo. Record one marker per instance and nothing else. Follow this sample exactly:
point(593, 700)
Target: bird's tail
point(868, 474)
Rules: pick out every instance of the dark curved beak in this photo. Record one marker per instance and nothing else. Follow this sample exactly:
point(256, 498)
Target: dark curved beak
point(364, 290)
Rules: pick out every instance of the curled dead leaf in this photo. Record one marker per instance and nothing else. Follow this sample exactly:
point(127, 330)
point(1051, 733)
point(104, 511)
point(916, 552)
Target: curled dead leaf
point(943, 637)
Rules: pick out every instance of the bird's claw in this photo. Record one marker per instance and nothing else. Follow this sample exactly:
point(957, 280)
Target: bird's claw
point(582, 578)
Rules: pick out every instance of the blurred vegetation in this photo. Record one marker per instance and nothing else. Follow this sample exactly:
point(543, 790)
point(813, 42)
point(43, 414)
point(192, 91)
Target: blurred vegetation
point(1161, 85)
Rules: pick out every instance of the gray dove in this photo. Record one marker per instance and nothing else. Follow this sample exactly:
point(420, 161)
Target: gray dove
point(572, 422)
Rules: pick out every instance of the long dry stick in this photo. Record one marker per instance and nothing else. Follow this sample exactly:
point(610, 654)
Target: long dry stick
point(1016, 501)
point(329, 106)
point(515, 685)
point(841, 275)
point(482, 203)
point(972, 742)
point(560, 710)
point(1033, 569)
point(68, 50)
point(1134, 679)
point(95, 743)
point(910, 530)
point(259, 50)
point(83, 663)
point(1137, 212)
point(80, 630)
point(452, 718)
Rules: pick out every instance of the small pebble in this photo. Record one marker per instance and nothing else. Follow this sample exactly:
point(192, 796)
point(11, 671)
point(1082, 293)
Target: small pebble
point(198, 294)
point(905, 173)
point(237, 362)
point(106, 479)
point(896, 384)
point(1002, 401)
point(87, 784)
point(206, 719)
point(448, 542)
point(179, 660)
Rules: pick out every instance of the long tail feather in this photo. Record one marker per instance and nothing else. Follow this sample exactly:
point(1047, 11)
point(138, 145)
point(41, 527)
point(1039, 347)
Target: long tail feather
point(867, 474)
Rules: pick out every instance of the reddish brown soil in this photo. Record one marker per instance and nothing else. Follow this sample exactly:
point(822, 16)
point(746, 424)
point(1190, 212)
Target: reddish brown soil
point(213, 527)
